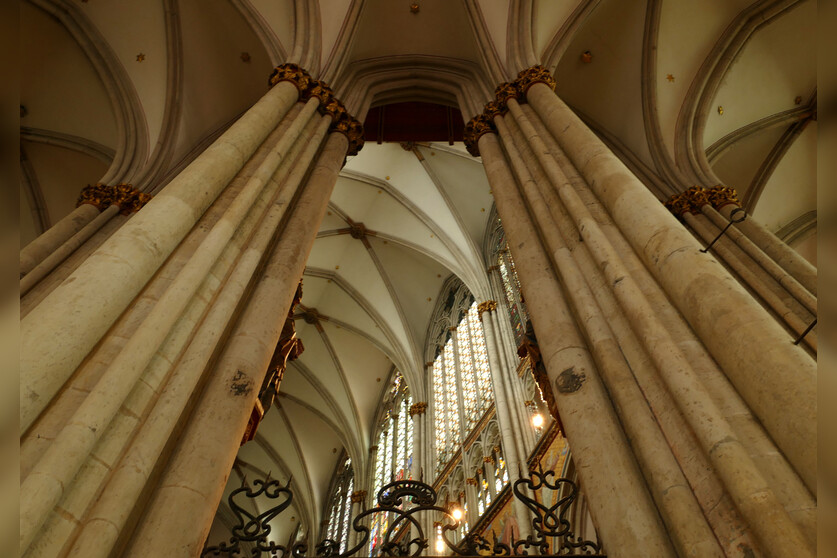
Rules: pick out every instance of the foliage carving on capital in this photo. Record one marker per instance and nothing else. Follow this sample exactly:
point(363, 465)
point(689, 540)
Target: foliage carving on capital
point(689, 201)
point(309, 88)
point(358, 496)
point(292, 73)
point(483, 123)
point(530, 76)
point(720, 196)
point(418, 408)
point(486, 306)
point(102, 196)
point(474, 130)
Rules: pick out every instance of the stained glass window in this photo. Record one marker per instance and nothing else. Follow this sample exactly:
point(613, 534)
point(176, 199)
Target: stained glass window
point(394, 454)
point(340, 510)
point(511, 288)
point(461, 377)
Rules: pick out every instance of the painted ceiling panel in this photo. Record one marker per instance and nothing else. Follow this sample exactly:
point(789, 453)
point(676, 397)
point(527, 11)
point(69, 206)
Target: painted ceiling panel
point(279, 15)
point(58, 85)
point(338, 304)
point(387, 215)
point(467, 187)
point(496, 16)
point(366, 369)
point(739, 163)
point(609, 88)
point(440, 28)
point(295, 384)
point(777, 64)
point(687, 33)
point(332, 18)
point(416, 280)
point(217, 84)
point(134, 27)
point(548, 17)
point(317, 359)
point(796, 174)
point(408, 177)
point(319, 445)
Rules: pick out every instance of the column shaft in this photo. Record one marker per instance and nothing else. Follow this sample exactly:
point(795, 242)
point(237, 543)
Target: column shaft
point(752, 349)
point(181, 512)
point(592, 428)
point(36, 251)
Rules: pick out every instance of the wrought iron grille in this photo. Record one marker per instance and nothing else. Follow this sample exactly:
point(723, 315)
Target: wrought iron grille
point(404, 500)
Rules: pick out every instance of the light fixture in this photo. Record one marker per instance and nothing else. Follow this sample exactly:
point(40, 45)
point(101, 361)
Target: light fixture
point(456, 513)
point(440, 545)
point(537, 420)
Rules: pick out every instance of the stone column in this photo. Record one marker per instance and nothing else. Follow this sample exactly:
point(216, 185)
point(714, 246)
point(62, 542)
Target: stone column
point(37, 250)
point(181, 511)
point(59, 333)
point(592, 427)
point(417, 415)
point(358, 507)
point(752, 349)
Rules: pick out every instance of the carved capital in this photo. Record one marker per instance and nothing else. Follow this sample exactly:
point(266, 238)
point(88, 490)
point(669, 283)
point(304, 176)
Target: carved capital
point(720, 196)
point(488, 459)
point(128, 198)
point(483, 123)
point(689, 201)
point(486, 306)
point(373, 449)
point(530, 76)
point(358, 496)
point(418, 408)
point(475, 128)
point(471, 480)
point(309, 88)
point(292, 73)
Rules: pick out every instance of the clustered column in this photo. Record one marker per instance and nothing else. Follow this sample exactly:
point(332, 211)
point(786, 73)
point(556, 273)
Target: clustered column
point(786, 286)
point(160, 339)
point(644, 335)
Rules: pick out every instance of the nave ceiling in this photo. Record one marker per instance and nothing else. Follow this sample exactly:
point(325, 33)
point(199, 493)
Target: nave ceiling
point(134, 90)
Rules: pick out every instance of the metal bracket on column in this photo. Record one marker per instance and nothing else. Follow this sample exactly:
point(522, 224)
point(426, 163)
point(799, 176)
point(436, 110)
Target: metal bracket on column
point(736, 216)
point(804, 333)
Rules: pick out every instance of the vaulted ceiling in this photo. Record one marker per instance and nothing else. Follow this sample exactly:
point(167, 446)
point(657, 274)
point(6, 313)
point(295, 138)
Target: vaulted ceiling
point(685, 92)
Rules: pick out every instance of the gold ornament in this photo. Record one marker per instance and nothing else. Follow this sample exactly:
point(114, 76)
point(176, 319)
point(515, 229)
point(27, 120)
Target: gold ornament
point(358, 496)
point(487, 306)
point(418, 408)
point(128, 198)
point(720, 196)
point(474, 130)
point(689, 201)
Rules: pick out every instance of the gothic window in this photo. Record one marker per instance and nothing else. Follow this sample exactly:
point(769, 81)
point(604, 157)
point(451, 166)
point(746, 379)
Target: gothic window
point(511, 285)
point(460, 376)
point(341, 504)
point(395, 451)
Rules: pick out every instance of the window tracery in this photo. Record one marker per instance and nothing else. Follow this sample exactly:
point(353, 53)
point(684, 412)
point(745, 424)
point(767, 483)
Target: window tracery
point(461, 378)
point(395, 451)
point(341, 504)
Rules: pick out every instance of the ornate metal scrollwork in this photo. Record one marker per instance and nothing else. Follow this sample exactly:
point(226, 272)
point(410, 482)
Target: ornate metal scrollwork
point(552, 530)
point(255, 529)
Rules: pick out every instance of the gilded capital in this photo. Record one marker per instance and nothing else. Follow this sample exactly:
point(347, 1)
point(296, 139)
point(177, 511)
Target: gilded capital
point(471, 480)
point(720, 196)
point(486, 306)
point(488, 459)
point(309, 88)
point(292, 73)
point(418, 408)
point(128, 198)
point(530, 76)
point(474, 130)
point(358, 496)
point(689, 201)
point(483, 123)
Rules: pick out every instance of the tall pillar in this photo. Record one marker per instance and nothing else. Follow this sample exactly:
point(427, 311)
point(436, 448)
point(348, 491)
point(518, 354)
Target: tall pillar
point(751, 348)
point(181, 512)
point(229, 244)
point(588, 214)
